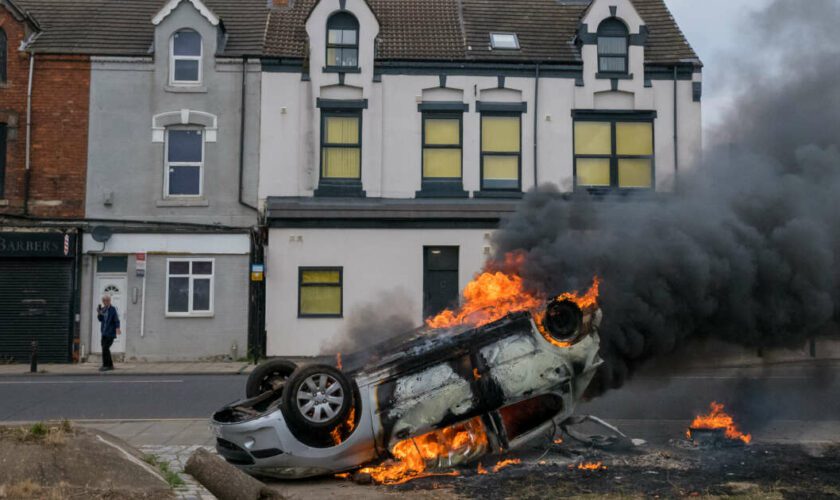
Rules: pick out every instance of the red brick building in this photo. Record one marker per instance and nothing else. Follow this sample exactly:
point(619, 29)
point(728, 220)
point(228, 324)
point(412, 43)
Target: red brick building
point(43, 162)
point(54, 187)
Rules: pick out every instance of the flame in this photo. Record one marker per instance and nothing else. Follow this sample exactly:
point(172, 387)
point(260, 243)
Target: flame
point(344, 429)
point(592, 466)
point(481, 470)
point(558, 441)
point(476, 375)
point(338, 361)
point(495, 293)
point(413, 455)
point(506, 463)
point(718, 419)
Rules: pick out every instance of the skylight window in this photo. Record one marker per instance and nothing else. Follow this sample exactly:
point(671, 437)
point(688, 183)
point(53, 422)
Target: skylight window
point(507, 41)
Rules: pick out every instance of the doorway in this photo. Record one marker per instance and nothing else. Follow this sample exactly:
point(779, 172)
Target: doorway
point(110, 279)
point(440, 279)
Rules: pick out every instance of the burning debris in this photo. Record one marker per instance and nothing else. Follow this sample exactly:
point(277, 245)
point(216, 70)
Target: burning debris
point(715, 429)
point(442, 448)
point(591, 466)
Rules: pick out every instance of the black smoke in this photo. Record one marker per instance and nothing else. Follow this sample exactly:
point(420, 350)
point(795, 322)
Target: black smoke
point(747, 249)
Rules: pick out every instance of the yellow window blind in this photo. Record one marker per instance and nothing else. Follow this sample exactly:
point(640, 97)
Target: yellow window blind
point(634, 139)
point(500, 134)
point(593, 138)
point(501, 168)
point(593, 172)
point(341, 163)
point(635, 173)
point(341, 130)
point(441, 131)
point(442, 163)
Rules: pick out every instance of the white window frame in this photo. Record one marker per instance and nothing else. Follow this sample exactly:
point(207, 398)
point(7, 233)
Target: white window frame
point(192, 277)
point(167, 165)
point(173, 58)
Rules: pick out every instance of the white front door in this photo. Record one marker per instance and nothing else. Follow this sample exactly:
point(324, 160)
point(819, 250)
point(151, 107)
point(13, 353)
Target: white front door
point(115, 286)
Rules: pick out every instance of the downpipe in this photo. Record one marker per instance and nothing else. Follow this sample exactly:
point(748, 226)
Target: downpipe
point(27, 164)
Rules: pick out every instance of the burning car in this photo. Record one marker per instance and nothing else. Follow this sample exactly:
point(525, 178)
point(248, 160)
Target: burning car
point(479, 388)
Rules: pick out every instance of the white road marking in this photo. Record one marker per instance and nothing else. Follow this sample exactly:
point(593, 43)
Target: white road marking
point(50, 382)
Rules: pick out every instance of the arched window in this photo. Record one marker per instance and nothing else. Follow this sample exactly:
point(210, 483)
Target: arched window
point(342, 41)
point(612, 46)
point(185, 58)
point(3, 56)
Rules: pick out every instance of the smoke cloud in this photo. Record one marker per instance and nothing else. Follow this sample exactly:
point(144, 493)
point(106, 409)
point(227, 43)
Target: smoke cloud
point(747, 249)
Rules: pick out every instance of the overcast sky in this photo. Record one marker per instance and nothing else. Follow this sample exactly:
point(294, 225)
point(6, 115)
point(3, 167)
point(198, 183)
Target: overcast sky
point(713, 29)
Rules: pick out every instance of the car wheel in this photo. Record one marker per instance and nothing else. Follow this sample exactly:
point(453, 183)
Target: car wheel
point(268, 376)
point(317, 397)
point(563, 320)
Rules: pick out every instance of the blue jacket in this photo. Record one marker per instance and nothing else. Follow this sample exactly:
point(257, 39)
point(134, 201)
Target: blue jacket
point(109, 321)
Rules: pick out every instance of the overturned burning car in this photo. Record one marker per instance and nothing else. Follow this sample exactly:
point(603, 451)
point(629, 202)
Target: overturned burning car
point(491, 387)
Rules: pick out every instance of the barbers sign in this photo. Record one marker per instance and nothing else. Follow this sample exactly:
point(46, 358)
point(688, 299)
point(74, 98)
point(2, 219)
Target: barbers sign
point(23, 244)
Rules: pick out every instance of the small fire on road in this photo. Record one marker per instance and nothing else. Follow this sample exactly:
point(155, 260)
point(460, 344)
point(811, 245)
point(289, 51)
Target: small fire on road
point(717, 419)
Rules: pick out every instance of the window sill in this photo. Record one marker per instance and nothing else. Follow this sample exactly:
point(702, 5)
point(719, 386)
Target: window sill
point(200, 202)
point(340, 69)
point(614, 76)
point(498, 194)
point(442, 189)
point(340, 189)
point(186, 89)
point(189, 315)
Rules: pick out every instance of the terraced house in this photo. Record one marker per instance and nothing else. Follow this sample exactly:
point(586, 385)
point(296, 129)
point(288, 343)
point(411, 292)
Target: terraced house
point(170, 138)
point(360, 151)
point(395, 134)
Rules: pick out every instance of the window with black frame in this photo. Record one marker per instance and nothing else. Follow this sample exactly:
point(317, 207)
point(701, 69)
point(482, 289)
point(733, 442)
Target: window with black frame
point(612, 47)
point(341, 145)
point(614, 153)
point(442, 149)
point(342, 41)
point(501, 151)
point(320, 292)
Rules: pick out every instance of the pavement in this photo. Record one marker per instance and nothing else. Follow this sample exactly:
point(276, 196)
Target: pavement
point(134, 368)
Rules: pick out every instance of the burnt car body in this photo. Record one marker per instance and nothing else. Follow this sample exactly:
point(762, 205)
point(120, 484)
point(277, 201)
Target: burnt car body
point(519, 380)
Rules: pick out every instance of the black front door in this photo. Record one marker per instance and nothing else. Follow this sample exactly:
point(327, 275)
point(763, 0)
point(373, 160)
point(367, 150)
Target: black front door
point(440, 279)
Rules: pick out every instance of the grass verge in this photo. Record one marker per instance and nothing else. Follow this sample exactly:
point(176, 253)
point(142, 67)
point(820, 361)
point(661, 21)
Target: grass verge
point(172, 477)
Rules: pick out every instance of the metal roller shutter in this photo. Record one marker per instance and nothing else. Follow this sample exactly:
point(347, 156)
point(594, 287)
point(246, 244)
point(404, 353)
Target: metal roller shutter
point(35, 302)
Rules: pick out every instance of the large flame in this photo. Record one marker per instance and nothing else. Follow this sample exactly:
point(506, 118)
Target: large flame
point(494, 294)
point(413, 456)
point(717, 418)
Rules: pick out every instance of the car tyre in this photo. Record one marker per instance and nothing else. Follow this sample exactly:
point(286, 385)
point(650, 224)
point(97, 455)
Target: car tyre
point(266, 375)
point(317, 397)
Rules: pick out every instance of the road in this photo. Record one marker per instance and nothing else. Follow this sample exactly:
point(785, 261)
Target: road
point(112, 397)
point(756, 396)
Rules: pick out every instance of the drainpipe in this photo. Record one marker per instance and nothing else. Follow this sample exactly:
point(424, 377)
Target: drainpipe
point(536, 121)
point(242, 135)
point(676, 122)
point(27, 174)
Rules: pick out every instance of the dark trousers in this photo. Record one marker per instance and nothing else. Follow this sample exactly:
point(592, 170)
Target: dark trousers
point(107, 342)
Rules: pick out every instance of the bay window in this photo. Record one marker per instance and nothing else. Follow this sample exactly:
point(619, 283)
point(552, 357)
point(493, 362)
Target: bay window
point(614, 152)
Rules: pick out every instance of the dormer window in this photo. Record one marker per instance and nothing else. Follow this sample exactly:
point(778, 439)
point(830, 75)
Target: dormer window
point(342, 41)
point(185, 58)
point(612, 46)
point(507, 41)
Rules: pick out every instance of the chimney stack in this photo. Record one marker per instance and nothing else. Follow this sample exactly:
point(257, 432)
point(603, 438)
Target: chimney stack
point(278, 3)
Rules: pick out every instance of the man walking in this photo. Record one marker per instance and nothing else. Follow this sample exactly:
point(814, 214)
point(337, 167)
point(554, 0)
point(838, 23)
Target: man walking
point(109, 327)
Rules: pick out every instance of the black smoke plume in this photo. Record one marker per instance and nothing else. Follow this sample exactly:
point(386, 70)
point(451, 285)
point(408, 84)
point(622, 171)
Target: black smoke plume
point(747, 249)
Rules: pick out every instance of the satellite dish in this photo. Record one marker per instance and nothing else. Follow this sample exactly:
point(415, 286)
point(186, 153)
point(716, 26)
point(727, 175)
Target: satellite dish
point(101, 233)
